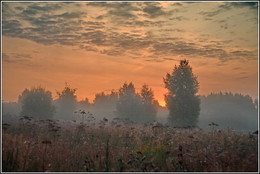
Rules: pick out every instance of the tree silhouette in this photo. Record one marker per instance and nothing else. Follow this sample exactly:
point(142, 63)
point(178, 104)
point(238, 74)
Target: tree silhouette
point(129, 103)
point(84, 103)
point(66, 103)
point(36, 102)
point(140, 108)
point(181, 99)
point(148, 104)
point(104, 104)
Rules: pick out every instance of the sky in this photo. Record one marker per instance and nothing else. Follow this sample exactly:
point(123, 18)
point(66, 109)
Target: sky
point(97, 46)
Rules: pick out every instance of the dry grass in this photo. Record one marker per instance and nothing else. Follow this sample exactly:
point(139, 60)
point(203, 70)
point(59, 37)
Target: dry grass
point(66, 146)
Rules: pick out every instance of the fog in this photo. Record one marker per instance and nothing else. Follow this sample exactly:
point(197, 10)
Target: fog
point(227, 110)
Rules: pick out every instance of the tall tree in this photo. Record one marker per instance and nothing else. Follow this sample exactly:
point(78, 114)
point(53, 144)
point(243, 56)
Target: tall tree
point(149, 104)
point(66, 103)
point(36, 102)
point(129, 103)
point(181, 99)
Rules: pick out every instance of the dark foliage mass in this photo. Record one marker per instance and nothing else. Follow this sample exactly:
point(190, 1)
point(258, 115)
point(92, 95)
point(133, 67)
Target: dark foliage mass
point(66, 103)
point(136, 107)
point(229, 110)
point(181, 99)
point(104, 105)
point(36, 102)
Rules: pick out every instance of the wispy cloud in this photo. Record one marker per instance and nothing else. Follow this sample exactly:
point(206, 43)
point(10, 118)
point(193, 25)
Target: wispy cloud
point(16, 57)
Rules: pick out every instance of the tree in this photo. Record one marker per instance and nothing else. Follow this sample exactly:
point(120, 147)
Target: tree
point(36, 102)
point(181, 99)
point(129, 103)
point(105, 104)
point(66, 103)
point(229, 110)
point(84, 103)
point(149, 104)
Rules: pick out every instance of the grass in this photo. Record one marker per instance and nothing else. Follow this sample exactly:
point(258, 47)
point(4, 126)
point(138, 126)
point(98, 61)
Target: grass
point(71, 146)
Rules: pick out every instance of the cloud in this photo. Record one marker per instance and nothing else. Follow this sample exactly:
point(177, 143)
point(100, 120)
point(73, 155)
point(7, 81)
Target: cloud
point(177, 4)
point(44, 7)
point(210, 13)
point(171, 59)
point(230, 5)
point(12, 28)
point(5, 57)
point(227, 6)
point(251, 5)
point(178, 18)
point(16, 57)
point(121, 13)
point(172, 30)
point(71, 15)
point(143, 23)
point(157, 31)
point(243, 77)
point(154, 10)
point(29, 12)
point(117, 10)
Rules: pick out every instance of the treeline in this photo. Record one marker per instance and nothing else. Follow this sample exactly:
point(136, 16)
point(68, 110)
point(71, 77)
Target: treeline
point(124, 103)
point(229, 110)
point(185, 108)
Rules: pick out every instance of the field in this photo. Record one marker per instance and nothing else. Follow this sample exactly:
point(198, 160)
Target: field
point(120, 145)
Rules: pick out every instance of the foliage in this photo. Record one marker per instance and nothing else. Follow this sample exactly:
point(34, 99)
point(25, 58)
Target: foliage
point(129, 102)
point(84, 103)
point(104, 104)
point(136, 107)
point(51, 146)
point(228, 109)
point(36, 102)
point(66, 103)
point(106, 99)
point(149, 104)
point(181, 99)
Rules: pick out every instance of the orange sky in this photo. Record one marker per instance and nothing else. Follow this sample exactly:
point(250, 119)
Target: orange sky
point(97, 47)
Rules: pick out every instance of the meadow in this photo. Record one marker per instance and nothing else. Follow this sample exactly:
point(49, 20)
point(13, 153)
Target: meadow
point(120, 145)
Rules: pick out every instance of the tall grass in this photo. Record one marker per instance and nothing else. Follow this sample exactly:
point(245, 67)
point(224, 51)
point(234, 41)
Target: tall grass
point(67, 146)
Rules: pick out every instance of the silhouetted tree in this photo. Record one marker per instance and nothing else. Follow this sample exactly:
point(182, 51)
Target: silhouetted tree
point(104, 99)
point(36, 102)
point(104, 104)
point(181, 99)
point(149, 104)
point(84, 103)
point(129, 103)
point(66, 103)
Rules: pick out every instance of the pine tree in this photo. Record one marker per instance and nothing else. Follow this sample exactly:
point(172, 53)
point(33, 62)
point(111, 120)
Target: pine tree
point(181, 99)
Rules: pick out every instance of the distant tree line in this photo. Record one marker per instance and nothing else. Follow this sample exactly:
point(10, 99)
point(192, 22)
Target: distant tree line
point(229, 110)
point(186, 108)
point(126, 103)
